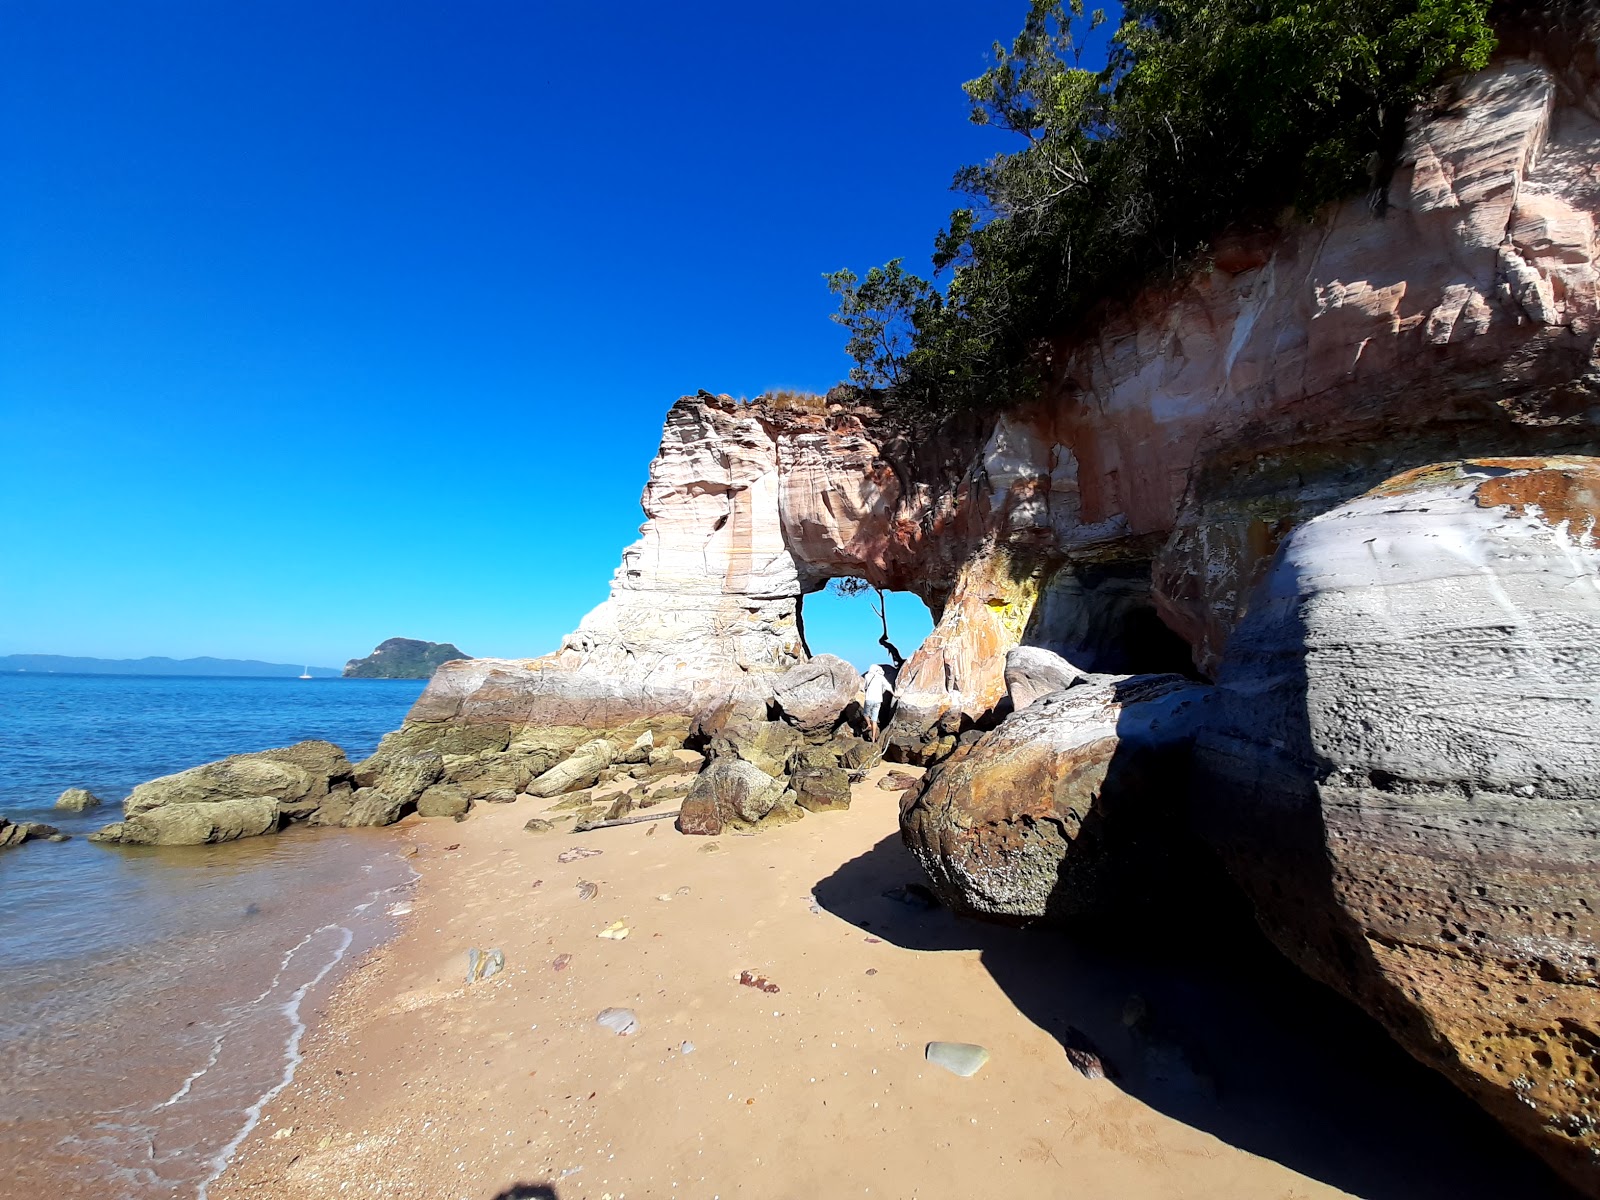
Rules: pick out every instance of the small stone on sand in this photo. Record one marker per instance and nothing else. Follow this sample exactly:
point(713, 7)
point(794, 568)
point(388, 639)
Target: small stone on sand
point(959, 1058)
point(620, 1021)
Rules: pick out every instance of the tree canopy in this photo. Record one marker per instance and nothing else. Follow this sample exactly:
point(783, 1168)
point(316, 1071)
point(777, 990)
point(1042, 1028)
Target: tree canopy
point(1205, 115)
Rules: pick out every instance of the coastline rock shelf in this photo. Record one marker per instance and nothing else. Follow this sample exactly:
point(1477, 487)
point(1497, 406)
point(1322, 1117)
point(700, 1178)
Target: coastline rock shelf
point(1296, 571)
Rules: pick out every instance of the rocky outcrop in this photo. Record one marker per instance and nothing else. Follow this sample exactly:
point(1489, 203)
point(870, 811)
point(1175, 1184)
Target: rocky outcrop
point(1403, 773)
point(1123, 522)
point(402, 658)
point(228, 797)
point(77, 800)
point(1073, 807)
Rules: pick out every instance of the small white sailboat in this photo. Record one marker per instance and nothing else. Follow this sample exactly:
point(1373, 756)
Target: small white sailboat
point(307, 670)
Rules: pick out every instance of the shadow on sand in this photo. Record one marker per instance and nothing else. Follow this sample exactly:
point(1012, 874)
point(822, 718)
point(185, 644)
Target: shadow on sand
point(528, 1191)
point(1228, 1038)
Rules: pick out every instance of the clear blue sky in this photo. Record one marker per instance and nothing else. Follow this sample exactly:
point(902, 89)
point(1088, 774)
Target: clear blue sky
point(326, 322)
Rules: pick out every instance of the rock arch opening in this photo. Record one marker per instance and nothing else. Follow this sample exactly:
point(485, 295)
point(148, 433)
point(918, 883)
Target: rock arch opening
point(846, 622)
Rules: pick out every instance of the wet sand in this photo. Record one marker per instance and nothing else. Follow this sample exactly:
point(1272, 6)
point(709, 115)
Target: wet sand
point(130, 1071)
point(1243, 1080)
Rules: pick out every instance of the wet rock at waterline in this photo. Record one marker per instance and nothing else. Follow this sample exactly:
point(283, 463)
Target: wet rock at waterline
point(364, 807)
point(77, 800)
point(196, 823)
point(1402, 773)
point(15, 833)
point(1071, 807)
point(230, 797)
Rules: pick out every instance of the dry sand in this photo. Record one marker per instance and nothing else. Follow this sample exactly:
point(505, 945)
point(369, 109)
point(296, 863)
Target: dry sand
point(418, 1085)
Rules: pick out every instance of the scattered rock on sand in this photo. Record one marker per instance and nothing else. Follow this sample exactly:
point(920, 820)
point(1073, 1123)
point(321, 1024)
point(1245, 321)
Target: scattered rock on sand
point(577, 852)
point(539, 825)
point(562, 962)
point(1081, 1053)
point(730, 791)
point(501, 796)
point(959, 1058)
point(621, 1021)
point(587, 890)
point(898, 781)
point(78, 799)
point(614, 932)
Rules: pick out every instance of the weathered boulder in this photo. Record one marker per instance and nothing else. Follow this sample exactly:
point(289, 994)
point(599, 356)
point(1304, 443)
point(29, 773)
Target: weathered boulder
point(77, 800)
point(817, 694)
point(1071, 807)
point(1404, 775)
point(729, 792)
point(640, 752)
point(770, 746)
point(198, 822)
point(400, 775)
point(819, 789)
point(581, 769)
point(1033, 671)
point(302, 774)
point(362, 808)
point(443, 800)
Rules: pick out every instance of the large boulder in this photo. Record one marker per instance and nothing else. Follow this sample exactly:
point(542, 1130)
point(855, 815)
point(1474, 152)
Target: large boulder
point(401, 774)
point(1404, 775)
point(581, 769)
point(1032, 671)
point(299, 777)
point(1073, 807)
point(444, 800)
point(363, 808)
point(815, 695)
point(197, 823)
point(729, 792)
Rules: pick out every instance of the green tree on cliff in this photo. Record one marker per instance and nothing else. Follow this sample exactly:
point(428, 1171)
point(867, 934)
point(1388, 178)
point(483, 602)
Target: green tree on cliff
point(1205, 115)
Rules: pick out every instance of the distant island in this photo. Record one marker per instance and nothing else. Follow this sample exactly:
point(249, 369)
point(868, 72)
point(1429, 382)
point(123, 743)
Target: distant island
point(66, 664)
point(402, 658)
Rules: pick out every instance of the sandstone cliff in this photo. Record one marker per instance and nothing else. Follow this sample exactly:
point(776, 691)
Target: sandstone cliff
point(1130, 521)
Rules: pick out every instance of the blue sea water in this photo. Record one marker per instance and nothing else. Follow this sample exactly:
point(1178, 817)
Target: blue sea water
point(149, 998)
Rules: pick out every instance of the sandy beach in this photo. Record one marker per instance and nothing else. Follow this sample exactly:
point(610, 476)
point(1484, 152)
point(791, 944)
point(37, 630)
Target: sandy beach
point(1239, 1080)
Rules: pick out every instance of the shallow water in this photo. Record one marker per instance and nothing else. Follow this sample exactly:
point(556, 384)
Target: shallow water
point(151, 997)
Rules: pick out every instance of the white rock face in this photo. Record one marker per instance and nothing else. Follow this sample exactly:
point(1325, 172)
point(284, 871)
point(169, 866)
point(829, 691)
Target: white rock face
point(1404, 768)
point(1032, 672)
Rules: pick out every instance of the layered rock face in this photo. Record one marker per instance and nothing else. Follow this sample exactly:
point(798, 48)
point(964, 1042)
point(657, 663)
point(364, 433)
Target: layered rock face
point(1124, 521)
point(1403, 770)
point(1188, 434)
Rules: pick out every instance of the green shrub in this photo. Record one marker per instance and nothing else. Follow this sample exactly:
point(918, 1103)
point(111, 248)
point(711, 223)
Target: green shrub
point(1208, 115)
